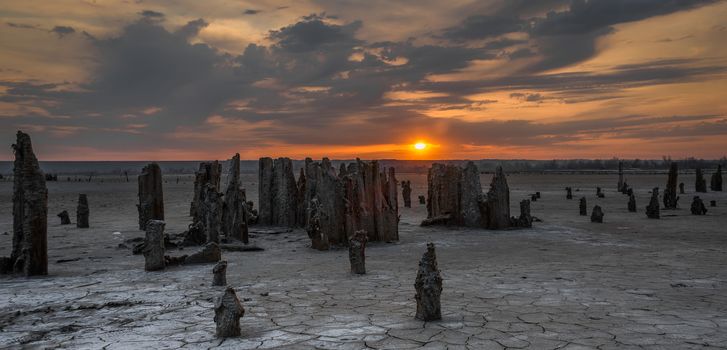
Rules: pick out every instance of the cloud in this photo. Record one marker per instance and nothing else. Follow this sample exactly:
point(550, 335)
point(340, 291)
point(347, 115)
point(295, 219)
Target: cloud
point(320, 80)
point(21, 25)
point(251, 12)
point(483, 26)
point(584, 16)
point(62, 31)
point(192, 28)
point(151, 15)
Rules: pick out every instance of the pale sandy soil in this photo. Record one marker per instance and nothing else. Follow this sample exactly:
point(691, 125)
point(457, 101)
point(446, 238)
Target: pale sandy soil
point(630, 282)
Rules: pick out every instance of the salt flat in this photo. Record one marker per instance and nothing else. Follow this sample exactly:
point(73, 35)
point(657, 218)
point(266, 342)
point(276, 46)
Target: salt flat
point(630, 282)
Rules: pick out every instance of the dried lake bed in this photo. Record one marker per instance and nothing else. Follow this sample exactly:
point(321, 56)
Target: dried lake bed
point(567, 283)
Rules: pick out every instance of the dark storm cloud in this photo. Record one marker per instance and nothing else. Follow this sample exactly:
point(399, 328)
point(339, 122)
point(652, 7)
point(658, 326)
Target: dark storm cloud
point(522, 53)
point(313, 33)
point(151, 14)
point(192, 28)
point(484, 26)
point(585, 16)
point(568, 37)
point(316, 75)
point(62, 31)
point(564, 32)
point(586, 83)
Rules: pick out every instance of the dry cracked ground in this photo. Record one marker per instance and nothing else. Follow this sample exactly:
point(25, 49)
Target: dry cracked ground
point(630, 282)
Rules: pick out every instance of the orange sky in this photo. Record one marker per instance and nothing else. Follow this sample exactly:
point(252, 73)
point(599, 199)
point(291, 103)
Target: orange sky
point(116, 80)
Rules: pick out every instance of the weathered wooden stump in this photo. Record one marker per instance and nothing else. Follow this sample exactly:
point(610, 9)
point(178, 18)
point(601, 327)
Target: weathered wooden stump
point(583, 206)
point(681, 188)
point(498, 200)
point(154, 246)
point(422, 200)
point(712, 203)
point(357, 252)
point(209, 173)
point(700, 184)
point(620, 185)
point(697, 207)
point(220, 274)
point(525, 220)
point(632, 203)
point(597, 214)
point(210, 253)
point(716, 180)
point(568, 193)
point(212, 211)
point(537, 194)
point(428, 287)
point(234, 211)
point(533, 197)
point(82, 212)
point(319, 239)
point(652, 210)
point(151, 196)
point(65, 218)
point(670, 192)
point(599, 193)
point(29, 253)
point(406, 193)
point(228, 312)
point(277, 193)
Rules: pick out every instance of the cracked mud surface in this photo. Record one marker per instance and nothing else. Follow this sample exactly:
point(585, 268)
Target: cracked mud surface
point(630, 282)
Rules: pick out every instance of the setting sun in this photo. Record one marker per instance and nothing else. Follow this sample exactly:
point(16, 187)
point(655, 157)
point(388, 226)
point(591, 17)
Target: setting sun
point(420, 145)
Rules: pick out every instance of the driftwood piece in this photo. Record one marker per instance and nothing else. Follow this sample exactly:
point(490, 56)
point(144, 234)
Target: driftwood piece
point(82, 211)
point(154, 246)
point(597, 214)
point(583, 206)
point(219, 273)
point(228, 312)
point(65, 218)
point(357, 252)
point(670, 192)
point(151, 196)
point(29, 253)
point(428, 287)
point(652, 210)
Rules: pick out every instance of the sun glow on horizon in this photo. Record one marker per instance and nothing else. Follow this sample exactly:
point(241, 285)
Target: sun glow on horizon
point(420, 146)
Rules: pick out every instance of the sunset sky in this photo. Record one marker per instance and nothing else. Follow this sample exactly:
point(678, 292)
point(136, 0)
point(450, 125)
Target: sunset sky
point(191, 80)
